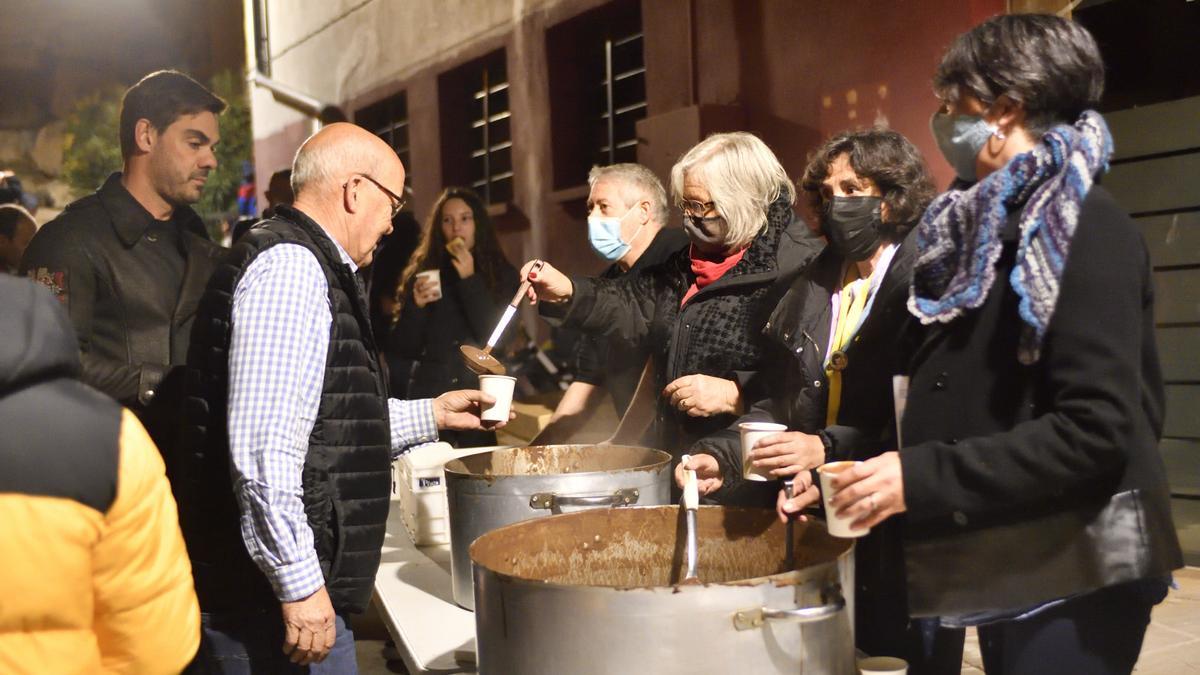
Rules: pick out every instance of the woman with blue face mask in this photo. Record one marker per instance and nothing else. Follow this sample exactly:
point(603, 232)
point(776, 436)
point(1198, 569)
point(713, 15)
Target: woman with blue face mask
point(1033, 498)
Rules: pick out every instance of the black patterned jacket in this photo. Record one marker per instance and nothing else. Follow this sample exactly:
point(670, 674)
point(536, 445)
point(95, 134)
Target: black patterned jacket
point(718, 332)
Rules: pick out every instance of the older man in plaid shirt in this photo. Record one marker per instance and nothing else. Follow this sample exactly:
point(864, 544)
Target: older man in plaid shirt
point(288, 399)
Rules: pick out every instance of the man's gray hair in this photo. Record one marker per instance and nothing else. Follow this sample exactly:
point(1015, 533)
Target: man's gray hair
point(637, 183)
point(743, 177)
point(326, 166)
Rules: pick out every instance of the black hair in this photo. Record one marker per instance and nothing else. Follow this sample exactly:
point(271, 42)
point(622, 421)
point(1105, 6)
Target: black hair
point(161, 98)
point(890, 160)
point(10, 216)
point(1049, 64)
point(431, 251)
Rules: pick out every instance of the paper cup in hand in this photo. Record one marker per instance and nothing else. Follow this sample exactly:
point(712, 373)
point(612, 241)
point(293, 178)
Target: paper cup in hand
point(838, 527)
point(433, 277)
point(752, 433)
point(500, 387)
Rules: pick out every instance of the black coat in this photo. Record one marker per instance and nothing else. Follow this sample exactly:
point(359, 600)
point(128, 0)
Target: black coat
point(609, 363)
point(718, 332)
point(131, 287)
point(1029, 483)
point(423, 345)
point(797, 336)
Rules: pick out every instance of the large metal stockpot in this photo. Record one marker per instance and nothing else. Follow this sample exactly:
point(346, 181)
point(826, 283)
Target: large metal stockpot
point(595, 592)
point(506, 486)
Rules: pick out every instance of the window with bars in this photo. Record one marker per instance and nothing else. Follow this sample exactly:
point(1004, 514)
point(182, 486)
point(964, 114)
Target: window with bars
point(477, 128)
point(388, 119)
point(598, 89)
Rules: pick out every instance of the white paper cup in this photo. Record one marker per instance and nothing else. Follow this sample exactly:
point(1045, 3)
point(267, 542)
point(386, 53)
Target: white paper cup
point(501, 387)
point(838, 527)
point(882, 665)
point(434, 276)
point(752, 433)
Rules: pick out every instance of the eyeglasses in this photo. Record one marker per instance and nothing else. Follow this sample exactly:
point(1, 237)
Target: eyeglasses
point(396, 200)
point(693, 208)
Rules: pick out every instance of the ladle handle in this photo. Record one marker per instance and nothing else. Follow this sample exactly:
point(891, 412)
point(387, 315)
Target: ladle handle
point(526, 283)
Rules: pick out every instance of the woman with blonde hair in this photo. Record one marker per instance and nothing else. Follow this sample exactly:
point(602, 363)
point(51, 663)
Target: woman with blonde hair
point(701, 312)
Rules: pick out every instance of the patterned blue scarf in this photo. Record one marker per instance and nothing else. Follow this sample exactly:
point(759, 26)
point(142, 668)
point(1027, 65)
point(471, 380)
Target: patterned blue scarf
point(958, 239)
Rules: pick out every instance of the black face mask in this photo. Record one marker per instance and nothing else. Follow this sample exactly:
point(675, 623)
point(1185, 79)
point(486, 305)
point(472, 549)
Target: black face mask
point(852, 225)
point(704, 233)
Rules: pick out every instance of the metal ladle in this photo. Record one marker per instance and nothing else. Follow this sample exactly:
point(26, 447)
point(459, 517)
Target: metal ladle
point(481, 361)
point(691, 502)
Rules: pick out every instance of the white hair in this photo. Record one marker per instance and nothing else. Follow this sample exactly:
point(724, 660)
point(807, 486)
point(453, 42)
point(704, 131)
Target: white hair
point(743, 177)
point(639, 181)
point(326, 166)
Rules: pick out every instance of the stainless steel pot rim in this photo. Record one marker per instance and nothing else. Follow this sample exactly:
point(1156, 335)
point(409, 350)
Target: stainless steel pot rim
point(796, 577)
point(663, 459)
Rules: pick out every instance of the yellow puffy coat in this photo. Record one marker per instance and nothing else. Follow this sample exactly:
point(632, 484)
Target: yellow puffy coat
point(93, 591)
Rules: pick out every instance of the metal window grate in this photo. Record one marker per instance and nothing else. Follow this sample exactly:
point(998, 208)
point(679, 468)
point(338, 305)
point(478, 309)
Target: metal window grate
point(388, 119)
point(624, 98)
point(491, 134)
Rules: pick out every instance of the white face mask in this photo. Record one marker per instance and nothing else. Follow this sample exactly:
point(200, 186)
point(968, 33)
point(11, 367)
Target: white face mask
point(604, 234)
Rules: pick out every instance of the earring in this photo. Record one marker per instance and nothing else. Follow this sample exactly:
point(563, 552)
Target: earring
point(999, 134)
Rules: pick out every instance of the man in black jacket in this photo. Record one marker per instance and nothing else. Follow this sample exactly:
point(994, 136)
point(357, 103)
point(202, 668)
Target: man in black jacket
point(130, 261)
point(627, 217)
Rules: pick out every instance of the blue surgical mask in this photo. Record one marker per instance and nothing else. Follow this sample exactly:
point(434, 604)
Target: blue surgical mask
point(960, 138)
point(604, 234)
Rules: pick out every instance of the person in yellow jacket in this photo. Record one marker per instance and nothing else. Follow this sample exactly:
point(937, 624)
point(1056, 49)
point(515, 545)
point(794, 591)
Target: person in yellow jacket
point(94, 577)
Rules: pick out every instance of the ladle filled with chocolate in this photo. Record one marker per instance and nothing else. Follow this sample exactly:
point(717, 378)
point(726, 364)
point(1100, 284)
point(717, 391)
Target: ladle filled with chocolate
point(481, 361)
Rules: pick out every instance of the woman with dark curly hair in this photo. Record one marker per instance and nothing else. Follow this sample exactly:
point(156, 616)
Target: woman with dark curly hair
point(1034, 501)
point(434, 316)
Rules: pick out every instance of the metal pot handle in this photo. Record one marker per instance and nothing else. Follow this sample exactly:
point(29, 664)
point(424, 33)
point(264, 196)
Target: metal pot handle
point(749, 619)
point(553, 501)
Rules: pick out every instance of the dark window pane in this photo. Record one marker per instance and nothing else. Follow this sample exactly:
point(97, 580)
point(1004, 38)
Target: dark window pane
point(498, 101)
point(501, 191)
point(501, 161)
point(500, 131)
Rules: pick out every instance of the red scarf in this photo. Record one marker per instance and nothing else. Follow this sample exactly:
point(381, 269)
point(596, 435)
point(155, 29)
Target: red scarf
point(708, 271)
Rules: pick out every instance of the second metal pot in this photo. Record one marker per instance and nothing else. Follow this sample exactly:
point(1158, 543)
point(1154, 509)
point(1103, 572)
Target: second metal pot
point(598, 592)
point(501, 487)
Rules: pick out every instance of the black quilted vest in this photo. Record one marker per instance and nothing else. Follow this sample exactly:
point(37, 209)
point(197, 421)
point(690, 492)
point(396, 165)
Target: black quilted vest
point(347, 471)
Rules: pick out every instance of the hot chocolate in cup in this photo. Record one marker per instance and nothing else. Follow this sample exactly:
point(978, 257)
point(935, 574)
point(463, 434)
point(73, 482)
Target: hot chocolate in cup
point(752, 433)
point(434, 277)
point(838, 526)
point(500, 387)
point(882, 665)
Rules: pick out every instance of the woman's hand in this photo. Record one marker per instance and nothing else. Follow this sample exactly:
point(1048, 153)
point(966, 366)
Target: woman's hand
point(708, 473)
point(547, 284)
point(788, 453)
point(463, 261)
point(425, 291)
point(804, 495)
point(870, 492)
point(704, 395)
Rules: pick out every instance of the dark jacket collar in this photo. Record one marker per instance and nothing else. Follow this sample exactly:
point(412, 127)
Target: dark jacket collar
point(131, 220)
point(783, 249)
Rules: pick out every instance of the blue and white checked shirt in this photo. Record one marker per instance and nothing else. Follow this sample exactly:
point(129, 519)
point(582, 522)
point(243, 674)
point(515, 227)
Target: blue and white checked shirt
point(281, 327)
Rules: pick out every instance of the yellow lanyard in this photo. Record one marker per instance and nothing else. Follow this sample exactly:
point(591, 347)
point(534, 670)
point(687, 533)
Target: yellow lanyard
point(850, 308)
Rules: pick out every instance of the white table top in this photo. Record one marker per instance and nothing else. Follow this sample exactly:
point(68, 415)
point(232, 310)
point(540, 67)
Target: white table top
point(413, 589)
